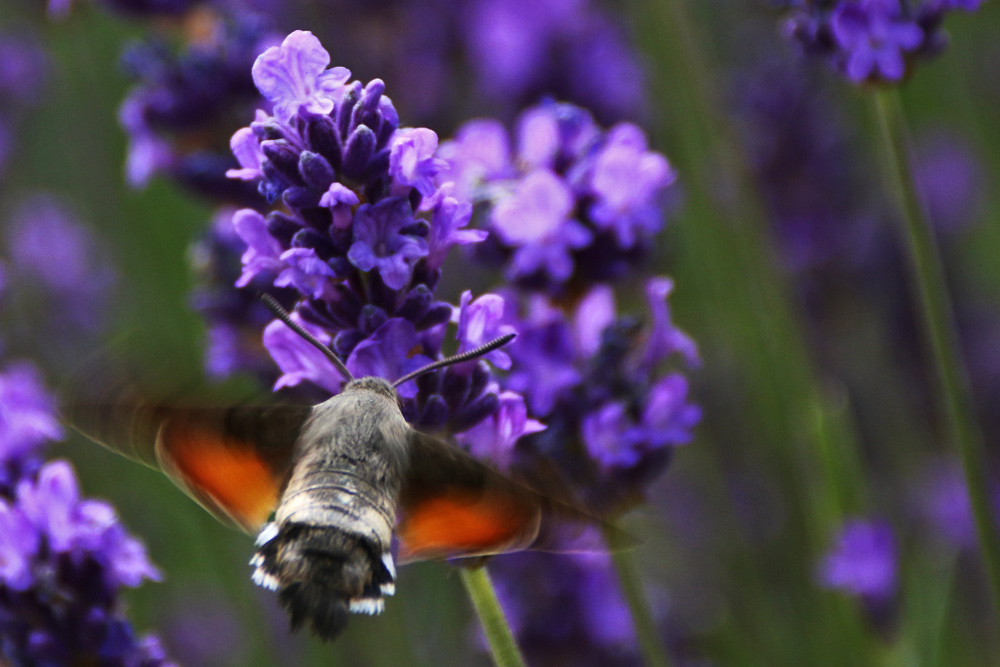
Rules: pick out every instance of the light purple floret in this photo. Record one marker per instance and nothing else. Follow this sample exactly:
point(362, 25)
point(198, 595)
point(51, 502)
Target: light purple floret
point(627, 181)
point(386, 354)
point(82, 528)
point(412, 160)
point(481, 321)
point(493, 439)
point(536, 221)
point(293, 76)
point(27, 412)
point(378, 243)
point(862, 561)
point(263, 253)
point(306, 272)
point(298, 360)
point(448, 217)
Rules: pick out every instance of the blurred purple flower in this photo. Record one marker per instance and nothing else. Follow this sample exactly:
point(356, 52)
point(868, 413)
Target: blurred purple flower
point(874, 37)
point(566, 605)
point(871, 40)
point(863, 561)
point(577, 196)
point(951, 181)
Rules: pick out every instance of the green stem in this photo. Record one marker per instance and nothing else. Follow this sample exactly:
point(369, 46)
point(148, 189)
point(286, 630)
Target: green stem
point(502, 644)
point(936, 311)
point(653, 652)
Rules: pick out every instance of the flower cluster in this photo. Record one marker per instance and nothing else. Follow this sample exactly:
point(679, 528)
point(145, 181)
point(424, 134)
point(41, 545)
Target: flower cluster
point(360, 239)
point(574, 208)
point(513, 53)
point(873, 41)
point(571, 205)
point(181, 97)
point(63, 559)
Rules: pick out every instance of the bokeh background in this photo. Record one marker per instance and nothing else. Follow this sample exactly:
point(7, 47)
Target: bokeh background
point(790, 273)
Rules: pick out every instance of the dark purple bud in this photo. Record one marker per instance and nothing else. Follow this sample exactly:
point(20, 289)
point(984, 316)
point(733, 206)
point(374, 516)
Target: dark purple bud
point(385, 132)
point(379, 294)
point(282, 227)
point(418, 228)
point(317, 217)
point(366, 112)
point(474, 413)
point(372, 317)
point(341, 266)
point(424, 275)
point(310, 238)
point(437, 314)
point(358, 152)
point(378, 165)
point(415, 304)
point(428, 383)
point(351, 96)
point(481, 377)
point(415, 199)
point(315, 170)
point(269, 131)
point(321, 133)
point(434, 415)
point(455, 388)
point(301, 197)
point(344, 307)
point(273, 183)
point(345, 342)
point(284, 159)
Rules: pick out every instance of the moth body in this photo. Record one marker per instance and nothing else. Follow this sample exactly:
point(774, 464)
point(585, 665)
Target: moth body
point(327, 552)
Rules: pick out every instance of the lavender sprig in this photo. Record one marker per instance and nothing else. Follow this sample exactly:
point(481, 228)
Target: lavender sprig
point(872, 41)
point(63, 559)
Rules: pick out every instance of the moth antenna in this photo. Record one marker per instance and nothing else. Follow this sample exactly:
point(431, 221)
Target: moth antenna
point(279, 312)
point(458, 358)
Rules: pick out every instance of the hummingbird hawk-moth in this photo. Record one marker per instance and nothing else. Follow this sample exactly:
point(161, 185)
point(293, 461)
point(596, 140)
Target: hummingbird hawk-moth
point(325, 488)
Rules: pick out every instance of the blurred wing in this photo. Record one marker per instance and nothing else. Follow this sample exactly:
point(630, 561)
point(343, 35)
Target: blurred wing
point(454, 506)
point(233, 461)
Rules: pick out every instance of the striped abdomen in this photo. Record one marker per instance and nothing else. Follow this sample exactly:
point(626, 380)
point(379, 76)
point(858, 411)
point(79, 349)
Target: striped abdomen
point(327, 552)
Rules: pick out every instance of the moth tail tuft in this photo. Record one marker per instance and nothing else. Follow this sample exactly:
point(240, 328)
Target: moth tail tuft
point(322, 574)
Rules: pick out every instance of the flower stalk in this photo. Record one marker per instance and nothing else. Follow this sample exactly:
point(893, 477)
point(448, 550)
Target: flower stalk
point(938, 322)
point(654, 654)
point(503, 646)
